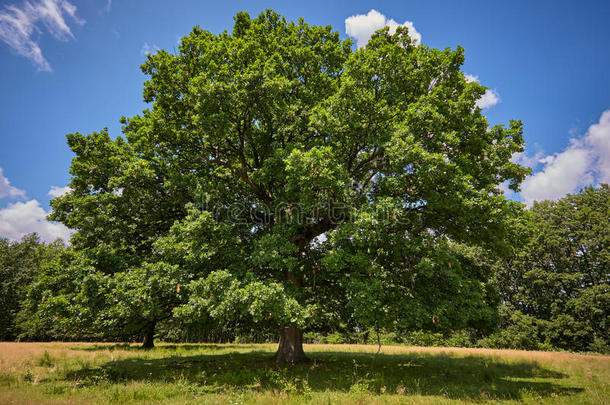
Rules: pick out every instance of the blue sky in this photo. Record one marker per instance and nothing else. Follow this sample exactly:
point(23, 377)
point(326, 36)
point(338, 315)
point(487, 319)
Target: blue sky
point(73, 66)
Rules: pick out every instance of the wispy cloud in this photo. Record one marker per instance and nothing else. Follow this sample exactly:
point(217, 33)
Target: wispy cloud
point(585, 161)
point(362, 26)
point(526, 160)
point(18, 24)
point(148, 49)
point(6, 190)
point(108, 5)
point(56, 191)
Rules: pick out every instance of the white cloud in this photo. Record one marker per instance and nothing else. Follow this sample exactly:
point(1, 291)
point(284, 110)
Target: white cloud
point(57, 191)
point(18, 24)
point(6, 190)
point(362, 26)
point(598, 138)
point(148, 49)
point(562, 174)
point(584, 162)
point(22, 218)
point(523, 159)
point(504, 188)
point(487, 100)
point(471, 78)
point(108, 5)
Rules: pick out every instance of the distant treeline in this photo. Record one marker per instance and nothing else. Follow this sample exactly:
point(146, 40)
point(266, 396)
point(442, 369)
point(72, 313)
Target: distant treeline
point(553, 293)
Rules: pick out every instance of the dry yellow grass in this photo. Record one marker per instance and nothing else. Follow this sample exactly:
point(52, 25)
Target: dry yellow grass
point(13, 354)
point(76, 373)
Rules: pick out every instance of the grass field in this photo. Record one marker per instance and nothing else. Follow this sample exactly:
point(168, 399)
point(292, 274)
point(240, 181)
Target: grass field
point(86, 373)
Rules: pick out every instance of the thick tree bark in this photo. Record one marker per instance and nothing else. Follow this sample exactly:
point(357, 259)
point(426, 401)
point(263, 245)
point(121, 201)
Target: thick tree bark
point(290, 349)
point(149, 334)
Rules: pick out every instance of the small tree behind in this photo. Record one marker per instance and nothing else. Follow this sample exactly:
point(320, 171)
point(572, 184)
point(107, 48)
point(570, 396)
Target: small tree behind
point(561, 278)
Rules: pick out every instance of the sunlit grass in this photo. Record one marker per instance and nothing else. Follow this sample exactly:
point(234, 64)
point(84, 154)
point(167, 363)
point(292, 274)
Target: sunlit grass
point(70, 373)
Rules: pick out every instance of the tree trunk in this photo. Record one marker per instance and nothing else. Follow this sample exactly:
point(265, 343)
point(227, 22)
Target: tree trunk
point(149, 334)
point(290, 349)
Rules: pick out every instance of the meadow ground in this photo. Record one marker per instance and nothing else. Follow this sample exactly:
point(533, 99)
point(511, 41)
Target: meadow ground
point(89, 373)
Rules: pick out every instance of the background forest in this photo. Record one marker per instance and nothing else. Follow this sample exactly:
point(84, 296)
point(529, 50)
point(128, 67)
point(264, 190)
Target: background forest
point(552, 293)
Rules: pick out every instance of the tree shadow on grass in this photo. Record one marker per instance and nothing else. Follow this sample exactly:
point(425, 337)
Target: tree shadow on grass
point(469, 378)
point(181, 347)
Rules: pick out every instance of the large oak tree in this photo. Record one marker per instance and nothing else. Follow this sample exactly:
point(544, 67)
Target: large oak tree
point(285, 180)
